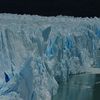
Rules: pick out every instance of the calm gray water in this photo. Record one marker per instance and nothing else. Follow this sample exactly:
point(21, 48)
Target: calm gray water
point(80, 87)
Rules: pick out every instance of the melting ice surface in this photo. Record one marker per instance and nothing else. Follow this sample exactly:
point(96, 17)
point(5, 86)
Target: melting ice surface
point(38, 52)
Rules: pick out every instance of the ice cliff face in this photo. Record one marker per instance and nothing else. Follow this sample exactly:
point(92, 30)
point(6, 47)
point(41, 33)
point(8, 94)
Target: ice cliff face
point(38, 52)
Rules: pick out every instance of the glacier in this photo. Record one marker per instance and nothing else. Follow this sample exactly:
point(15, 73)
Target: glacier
point(37, 52)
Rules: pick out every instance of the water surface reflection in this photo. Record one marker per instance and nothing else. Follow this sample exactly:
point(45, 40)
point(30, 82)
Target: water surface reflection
point(80, 87)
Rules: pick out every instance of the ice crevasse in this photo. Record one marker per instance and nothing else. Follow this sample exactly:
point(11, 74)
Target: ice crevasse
point(37, 52)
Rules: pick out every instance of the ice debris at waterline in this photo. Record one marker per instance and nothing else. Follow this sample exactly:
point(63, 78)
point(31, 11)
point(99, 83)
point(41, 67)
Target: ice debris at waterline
point(36, 52)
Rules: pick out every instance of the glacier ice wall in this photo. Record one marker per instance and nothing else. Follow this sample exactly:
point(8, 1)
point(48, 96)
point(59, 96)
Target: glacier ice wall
point(37, 52)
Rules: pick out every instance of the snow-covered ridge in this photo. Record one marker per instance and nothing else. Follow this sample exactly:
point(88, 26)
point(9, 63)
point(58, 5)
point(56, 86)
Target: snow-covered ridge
point(37, 52)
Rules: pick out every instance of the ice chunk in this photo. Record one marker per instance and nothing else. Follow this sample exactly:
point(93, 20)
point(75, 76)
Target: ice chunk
point(69, 42)
point(98, 32)
point(45, 33)
point(6, 77)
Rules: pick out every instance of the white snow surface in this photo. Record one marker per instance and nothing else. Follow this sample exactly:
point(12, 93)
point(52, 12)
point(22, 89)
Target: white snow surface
point(37, 52)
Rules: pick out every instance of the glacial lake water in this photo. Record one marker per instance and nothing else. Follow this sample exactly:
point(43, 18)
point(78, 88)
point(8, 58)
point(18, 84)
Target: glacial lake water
point(80, 87)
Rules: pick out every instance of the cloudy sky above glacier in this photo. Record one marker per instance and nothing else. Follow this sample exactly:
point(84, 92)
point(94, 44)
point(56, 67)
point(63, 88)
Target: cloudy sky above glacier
point(52, 7)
